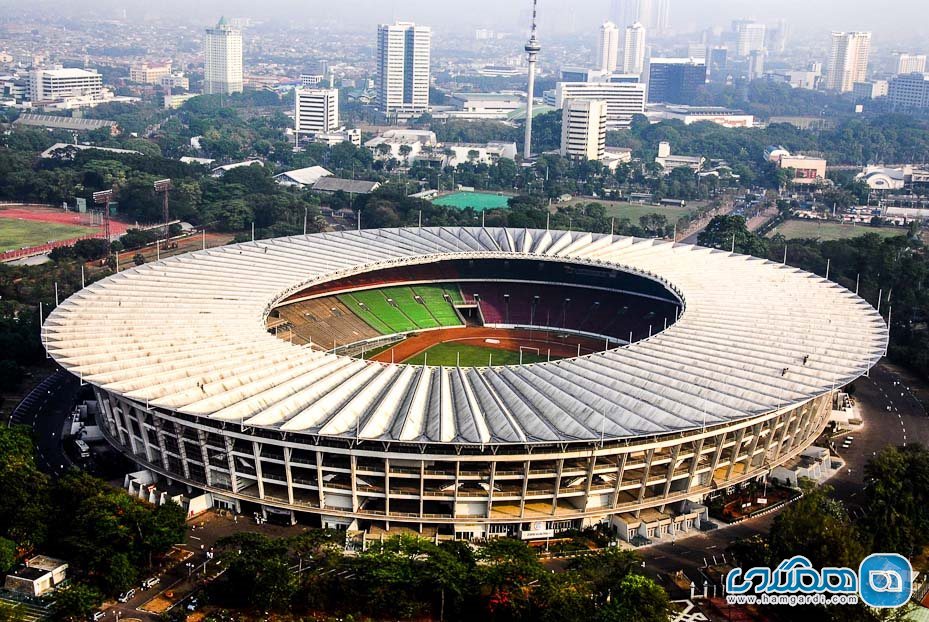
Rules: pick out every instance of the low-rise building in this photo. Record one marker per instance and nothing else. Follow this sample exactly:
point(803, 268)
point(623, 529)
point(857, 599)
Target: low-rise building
point(485, 105)
point(453, 154)
point(73, 124)
point(331, 139)
point(149, 73)
point(39, 576)
point(726, 117)
point(176, 80)
point(669, 161)
point(623, 100)
point(807, 169)
point(331, 185)
point(49, 85)
point(219, 171)
point(401, 145)
point(870, 90)
point(302, 177)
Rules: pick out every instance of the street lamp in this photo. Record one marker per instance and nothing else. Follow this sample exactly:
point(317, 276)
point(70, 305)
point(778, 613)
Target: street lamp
point(164, 186)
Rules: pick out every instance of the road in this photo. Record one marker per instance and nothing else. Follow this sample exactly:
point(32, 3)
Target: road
point(45, 410)
point(906, 421)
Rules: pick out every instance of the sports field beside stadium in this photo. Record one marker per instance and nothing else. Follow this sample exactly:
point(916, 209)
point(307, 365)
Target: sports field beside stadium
point(16, 233)
point(822, 230)
point(446, 355)
point(479, 201)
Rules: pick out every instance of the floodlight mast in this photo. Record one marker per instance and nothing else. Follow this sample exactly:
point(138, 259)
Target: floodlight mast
point(164, 186)
point(104, 197)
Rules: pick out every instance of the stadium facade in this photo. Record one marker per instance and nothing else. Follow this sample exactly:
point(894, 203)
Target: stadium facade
point(733, 376)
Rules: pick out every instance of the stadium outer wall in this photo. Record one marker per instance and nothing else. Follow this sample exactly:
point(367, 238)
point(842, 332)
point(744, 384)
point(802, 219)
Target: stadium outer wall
point(645, 487)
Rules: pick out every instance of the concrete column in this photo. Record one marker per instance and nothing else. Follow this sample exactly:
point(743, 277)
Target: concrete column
point(734, 457)
point(672, 464)
point(591, 465)
point(558, 473)
point(205, 457)
point(620, 467)
point(319, 478)
point(230, 461)
point(522, 500)
point(490, 490)
point(256, 451)
point(182, 449)
point(695, 462)
point(288, 452)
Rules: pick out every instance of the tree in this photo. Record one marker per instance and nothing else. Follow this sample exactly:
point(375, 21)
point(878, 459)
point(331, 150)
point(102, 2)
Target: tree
point(7, 555)
point(138, 259)
point(638, 599)
point(724, 232)
point(897, 501)
point(257, 572)
point(75, 602)
point(819, 528)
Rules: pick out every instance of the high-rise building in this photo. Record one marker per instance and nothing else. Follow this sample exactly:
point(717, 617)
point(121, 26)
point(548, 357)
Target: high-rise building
point(653, 14)
point(777, 37)
point(717, 62)
point(222, 50)
point(848, 60)
point(675, 80)
point(608, 49)
point(54, 84)
point(750, 37)
point(756, 61)
point(403, 57)
point(634, 49)
point(911, 63)
point(909, 92)
point(316, 111)
point(623, 99)
point(583, 129)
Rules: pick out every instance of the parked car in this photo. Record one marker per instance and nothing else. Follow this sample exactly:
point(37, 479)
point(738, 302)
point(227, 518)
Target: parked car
point(98, 615)
point(192, 605)
point(125, 597)
point(150, 582)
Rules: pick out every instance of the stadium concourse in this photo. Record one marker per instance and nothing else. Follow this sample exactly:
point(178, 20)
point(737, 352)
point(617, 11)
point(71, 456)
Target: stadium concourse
point(240, 372)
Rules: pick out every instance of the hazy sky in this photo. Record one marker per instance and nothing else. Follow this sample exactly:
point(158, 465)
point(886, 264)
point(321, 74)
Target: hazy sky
point(887, 19)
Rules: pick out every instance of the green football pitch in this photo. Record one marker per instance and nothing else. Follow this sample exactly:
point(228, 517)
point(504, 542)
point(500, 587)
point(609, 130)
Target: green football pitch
point(447, 355)
point(479, 201)
point(15, 233)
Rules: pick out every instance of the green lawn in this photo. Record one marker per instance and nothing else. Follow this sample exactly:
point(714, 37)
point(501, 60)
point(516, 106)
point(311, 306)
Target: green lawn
point(15, 233)
point(822, 230)
point(480, 201)
point(446, 355)
point(634, 211)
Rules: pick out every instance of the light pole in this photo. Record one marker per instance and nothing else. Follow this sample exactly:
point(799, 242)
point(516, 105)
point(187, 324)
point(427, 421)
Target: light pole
point(164, 187)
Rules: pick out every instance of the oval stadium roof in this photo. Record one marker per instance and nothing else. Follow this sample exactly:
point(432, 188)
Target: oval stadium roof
point(188, 334)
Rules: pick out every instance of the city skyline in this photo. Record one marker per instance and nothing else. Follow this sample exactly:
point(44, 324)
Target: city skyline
point(826, 15)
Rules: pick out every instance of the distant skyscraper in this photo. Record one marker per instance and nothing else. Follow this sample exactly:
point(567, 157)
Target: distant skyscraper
point(532, 56)
point(583, 129)
point(403, 57)
point(749, 37)
point(222, 50)
point(777, 37)
point(608, 49)
point(316, 111)
point(717, 62)
point(675, 80)
point(848, 60)
point(756, 64)
point(653, 14)
point(634, 49)
point(911, 63)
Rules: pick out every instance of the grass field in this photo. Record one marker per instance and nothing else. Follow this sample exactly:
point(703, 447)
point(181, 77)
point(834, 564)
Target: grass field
point(634, 211)
point(15, 233)
point(480, 201)
point(446, 355)
point(802, 229)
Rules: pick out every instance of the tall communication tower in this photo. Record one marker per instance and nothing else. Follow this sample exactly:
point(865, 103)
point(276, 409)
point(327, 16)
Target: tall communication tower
point(532, 50)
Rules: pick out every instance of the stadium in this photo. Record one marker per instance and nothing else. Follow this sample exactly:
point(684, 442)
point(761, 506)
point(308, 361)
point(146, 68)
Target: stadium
point(465, 382)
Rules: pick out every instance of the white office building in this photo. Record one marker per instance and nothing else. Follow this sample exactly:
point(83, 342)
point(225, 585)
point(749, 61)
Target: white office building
point(848, 60)
point(316, 111)
point(634, 49)
point(608, 49)
point(623, 99)
point(222, 51)
point(911, 63)
point(403, 57)
point(47, 85)
point(583, 129)
point(750, 37)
